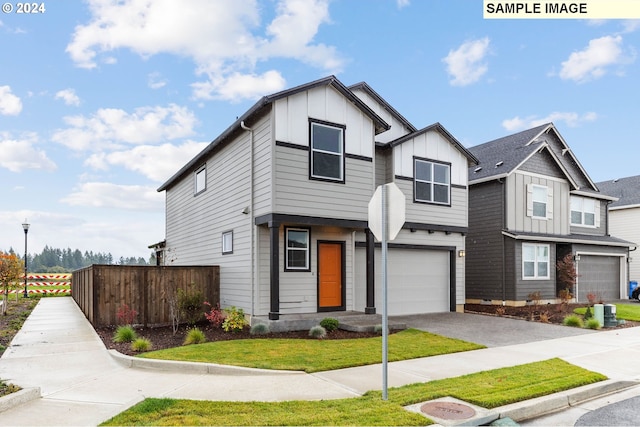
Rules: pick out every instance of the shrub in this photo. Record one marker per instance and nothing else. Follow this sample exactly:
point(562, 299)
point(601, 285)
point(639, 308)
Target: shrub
point(573, 320)
point(124, 334)
point(317, 332)
point(592, 297)
point(190, 306)
point(587, 314)
point(592, 323)
point(141, 344)
point(259, 329)
point(565, 295)
point(234, 319)
point(544, 317)
point(194, 336)
point(330, 324)
point(215, 316)
point(126, 315)
point(377, 329)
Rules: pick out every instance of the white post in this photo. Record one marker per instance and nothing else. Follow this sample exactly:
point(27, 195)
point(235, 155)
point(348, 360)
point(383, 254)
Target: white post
point(385, 327)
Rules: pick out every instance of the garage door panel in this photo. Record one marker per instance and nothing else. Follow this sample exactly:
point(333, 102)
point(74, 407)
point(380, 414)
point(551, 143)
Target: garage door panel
point(418, 281)
point(599, 275)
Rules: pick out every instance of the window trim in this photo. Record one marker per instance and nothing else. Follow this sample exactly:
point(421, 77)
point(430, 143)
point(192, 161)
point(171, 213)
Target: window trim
point(228, 250)
point(286, 249)
point(534, 201)
point(536, 262)
point(417, 159)
point(197, 172)
point(596, 207)
point(342, 128)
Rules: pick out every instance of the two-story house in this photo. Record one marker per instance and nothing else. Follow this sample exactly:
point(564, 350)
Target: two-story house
point(280, 202)
point(624, 216)
point(530, 204)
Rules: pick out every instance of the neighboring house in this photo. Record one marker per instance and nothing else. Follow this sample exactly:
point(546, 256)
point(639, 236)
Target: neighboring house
point(624, 215)
point(280, 202)
point(531, 203)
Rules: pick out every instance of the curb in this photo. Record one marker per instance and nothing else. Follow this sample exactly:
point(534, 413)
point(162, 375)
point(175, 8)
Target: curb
point(18, 398)
point(539, 406)
point(193, 367)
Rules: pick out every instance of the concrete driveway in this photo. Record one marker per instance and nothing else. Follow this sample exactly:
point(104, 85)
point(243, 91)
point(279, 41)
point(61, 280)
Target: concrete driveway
point(491, 331)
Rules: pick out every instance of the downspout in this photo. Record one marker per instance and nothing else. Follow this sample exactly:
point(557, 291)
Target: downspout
point(251, 225)
point(502, 237)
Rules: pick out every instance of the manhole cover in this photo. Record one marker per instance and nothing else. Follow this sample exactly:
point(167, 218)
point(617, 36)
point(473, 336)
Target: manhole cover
point(448, 410)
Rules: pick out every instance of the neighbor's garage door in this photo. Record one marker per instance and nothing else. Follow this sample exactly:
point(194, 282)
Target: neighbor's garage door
point(418, 281)
point(600, 275)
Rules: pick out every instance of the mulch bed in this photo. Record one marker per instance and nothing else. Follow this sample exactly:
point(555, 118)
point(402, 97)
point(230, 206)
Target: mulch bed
point(163, 337)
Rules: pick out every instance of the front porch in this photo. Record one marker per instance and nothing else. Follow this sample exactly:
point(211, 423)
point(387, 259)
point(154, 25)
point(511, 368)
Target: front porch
point(355, 321)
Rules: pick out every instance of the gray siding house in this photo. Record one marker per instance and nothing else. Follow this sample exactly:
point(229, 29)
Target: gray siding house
point(280, 202)
point(624, 216)
point(531, 203)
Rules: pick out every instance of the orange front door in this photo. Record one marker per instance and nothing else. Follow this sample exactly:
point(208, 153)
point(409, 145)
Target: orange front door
point(330, 286)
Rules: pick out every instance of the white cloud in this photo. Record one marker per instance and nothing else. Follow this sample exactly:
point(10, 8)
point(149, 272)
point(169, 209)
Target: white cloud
point(68, 96)
point(156, 81)
point(594, 61)
point(115, 128)
point(157, 163)
point(467, 63)
point(225, 39)
point(114, 196)
point(18, 155)
point(10, 104)
point(571, 119)
point(402, 3)
point(236, 87)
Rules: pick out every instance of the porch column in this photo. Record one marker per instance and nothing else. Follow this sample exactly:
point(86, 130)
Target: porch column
point(274, 270)
point(371, 274)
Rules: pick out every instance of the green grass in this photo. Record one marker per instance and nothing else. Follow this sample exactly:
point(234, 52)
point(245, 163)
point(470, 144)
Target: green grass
point(630, 312)
point(303, 354)
point(488, 389)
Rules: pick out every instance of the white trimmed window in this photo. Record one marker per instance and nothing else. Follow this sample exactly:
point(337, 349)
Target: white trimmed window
point(431, 182)
point(327, 152)
point(200, 180)
point(535, 261)
point(584, 211)
point(539, 201)
point(297, 249)
point(227, 242)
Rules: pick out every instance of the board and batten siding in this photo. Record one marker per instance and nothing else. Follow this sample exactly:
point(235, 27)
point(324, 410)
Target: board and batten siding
point(292, 116)
point(516, 204)
point(433, 146)
point(195, 223)
point(296, 194)
point(397, 130)
point(484, 242)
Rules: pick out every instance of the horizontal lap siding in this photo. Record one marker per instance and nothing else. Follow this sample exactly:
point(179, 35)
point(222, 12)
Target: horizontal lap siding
point(454, 215)
point(296, 194)
point(623, 223)
point(263, 176)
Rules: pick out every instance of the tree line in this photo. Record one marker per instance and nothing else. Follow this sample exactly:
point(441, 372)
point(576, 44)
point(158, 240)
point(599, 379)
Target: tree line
point(55, 260)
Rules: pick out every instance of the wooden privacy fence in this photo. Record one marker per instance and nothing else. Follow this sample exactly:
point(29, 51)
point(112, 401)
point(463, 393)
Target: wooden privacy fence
point(101, 290)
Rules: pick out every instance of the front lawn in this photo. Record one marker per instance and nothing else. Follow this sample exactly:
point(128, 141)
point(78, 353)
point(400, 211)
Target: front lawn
point(630, 312)
point(314, 355)
point(488, 389)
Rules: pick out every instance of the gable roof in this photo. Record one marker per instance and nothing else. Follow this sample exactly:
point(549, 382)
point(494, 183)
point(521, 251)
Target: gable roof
point(259, 107)
point(380, 100)
point(501, 157)
point(434, 127)
point(627, 190)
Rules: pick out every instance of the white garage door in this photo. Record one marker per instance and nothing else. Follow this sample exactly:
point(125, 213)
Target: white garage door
point(418, 281)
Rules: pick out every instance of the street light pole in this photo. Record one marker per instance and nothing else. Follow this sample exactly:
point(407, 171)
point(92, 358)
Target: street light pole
point(25, 226)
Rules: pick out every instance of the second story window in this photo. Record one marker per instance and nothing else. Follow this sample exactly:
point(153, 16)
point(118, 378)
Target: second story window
point(200, 180)
point(539, 201)
point(327, 152)
point(431, 182)
point(583, 211)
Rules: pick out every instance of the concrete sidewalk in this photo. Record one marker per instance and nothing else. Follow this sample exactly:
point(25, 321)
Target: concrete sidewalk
point(82, 383)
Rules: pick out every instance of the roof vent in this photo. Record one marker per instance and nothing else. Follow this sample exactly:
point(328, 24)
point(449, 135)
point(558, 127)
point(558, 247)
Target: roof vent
point(616, 180)
point(478, 169)
point(499, 163)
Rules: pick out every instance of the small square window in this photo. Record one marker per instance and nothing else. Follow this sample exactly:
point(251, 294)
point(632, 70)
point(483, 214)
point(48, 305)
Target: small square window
point(200, 180)
point(297, 249)
point(432, 182)
point(227, 242)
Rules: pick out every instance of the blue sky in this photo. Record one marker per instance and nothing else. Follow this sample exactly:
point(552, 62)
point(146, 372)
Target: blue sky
point(102, 101)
